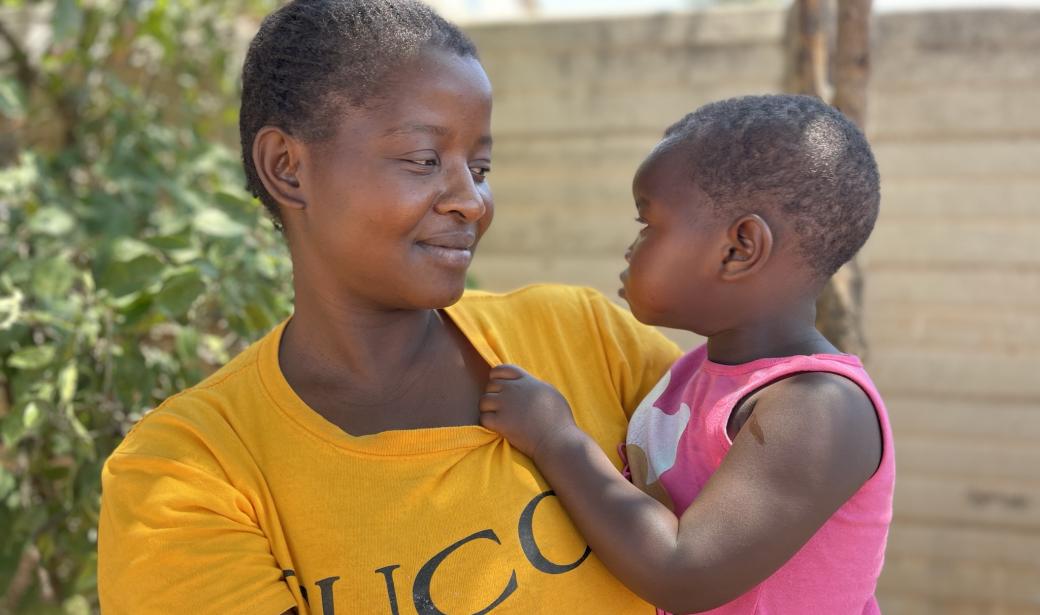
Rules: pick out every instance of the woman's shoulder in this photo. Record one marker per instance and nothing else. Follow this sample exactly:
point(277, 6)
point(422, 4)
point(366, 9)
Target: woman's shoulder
point(557, 315)
point(532, 292)
point(532, 301)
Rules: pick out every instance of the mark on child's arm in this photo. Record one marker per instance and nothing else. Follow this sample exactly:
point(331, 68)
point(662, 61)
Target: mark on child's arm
point(756, 429)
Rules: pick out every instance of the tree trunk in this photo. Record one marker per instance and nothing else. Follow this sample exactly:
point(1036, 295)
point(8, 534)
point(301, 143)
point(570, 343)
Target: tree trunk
point(852, 60)
point(807, 38)
point(839, 310)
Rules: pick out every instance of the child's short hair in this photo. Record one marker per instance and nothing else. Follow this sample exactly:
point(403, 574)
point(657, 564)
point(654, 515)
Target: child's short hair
point(312, 58)
point(792, 155)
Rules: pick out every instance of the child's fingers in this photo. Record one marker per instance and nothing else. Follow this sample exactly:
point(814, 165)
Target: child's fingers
point(489, 402)
point(506, 372)
point(489, 420)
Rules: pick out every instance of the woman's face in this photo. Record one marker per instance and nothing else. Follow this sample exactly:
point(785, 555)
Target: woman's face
point(396, 201)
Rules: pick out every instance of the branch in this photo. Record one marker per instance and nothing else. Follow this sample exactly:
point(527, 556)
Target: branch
point(27, 75)
point(22, 579)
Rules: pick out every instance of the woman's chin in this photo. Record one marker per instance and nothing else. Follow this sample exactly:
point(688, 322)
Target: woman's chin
point(441, 295)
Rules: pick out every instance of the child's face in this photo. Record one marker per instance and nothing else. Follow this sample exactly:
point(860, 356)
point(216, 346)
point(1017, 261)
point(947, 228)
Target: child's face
point(396, 201)
point(677, 253)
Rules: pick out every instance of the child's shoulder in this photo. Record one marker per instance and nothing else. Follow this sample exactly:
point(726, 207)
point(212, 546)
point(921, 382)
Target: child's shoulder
point(829, 416)
point(819, 389)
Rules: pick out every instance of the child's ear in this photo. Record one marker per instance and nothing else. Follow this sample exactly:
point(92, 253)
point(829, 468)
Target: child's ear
point(276, 156)
point(748, 247)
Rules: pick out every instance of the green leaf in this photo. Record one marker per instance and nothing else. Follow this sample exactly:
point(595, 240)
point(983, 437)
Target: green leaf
point(216, 223)
point(7, 482)
point(67, 379)
point(12, 99)
point(33, 357)
point(187, 344)
point(10, 309)
point(179, 241)
point(125, 249)
point(31, 415)
point(242, 209)
point(123, 278)
point(52, 221)
point(79, 429)
point(67, 19)
point(21, 176)
point(53, 277)
point(180, 292)
point(12, 430)
point(76, 605)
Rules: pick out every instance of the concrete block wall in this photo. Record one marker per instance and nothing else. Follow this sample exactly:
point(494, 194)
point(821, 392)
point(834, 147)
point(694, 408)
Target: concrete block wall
point(953, 269)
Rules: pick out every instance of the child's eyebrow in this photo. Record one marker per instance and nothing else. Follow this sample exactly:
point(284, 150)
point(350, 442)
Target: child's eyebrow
point(641, 203)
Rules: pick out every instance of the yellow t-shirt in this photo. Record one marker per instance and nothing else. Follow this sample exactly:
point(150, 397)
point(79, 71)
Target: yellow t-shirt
point(235, 497)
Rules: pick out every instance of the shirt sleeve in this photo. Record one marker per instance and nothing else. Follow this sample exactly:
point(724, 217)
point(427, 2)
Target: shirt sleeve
point(638, 355)
point(174, 538)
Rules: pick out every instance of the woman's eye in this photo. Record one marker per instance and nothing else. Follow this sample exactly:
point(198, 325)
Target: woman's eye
point(426, 162)
point(480, 172)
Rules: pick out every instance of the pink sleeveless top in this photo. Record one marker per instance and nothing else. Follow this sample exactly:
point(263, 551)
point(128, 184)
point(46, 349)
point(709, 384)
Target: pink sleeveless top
point(677, 439)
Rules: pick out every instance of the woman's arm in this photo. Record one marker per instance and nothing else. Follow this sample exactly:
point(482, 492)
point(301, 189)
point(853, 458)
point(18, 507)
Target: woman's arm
point(811, 442)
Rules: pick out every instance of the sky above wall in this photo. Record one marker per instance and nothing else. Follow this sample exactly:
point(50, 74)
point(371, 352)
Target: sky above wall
point(465, 10)
point(585, 7)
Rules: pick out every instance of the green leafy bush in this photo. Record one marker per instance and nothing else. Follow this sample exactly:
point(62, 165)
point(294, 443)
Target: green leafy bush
point(131, 261)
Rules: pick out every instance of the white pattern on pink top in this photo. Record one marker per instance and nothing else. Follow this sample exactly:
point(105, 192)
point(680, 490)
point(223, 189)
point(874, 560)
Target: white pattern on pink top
point(677, 439)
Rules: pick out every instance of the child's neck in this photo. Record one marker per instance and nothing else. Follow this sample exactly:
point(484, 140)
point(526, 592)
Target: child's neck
point(776, 336)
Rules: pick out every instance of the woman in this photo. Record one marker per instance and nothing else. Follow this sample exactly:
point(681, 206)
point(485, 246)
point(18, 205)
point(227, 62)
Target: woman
point(339, 462)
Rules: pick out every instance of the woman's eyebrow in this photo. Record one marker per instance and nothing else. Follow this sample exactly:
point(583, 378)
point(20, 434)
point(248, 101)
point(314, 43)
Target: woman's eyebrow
point(432, 129)
point(439, 131)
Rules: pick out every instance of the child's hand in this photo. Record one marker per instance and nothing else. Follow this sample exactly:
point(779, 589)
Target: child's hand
point(530, 413)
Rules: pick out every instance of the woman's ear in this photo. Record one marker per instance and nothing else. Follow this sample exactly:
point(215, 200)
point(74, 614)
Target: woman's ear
point(276, 156)
point(749, 246)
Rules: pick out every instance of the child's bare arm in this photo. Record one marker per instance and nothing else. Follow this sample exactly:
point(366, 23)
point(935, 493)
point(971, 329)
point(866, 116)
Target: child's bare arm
point(811, 442)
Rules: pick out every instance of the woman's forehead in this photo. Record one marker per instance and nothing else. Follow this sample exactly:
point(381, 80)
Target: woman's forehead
point(438, 95)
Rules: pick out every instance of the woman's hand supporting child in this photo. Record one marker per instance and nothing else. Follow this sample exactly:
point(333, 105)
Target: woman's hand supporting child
point(812, 442)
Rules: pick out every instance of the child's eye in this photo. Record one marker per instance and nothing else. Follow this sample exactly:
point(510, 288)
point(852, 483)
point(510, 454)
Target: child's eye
point(480, 173)
point(640, 220)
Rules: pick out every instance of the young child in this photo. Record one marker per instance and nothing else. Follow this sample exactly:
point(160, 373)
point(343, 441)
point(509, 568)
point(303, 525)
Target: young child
point(762, 463)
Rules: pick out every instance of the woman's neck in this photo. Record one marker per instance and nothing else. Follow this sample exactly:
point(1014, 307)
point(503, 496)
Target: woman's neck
point(353, 346)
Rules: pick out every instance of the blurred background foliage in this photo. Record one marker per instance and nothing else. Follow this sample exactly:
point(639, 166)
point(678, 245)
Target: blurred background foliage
point(132, 262)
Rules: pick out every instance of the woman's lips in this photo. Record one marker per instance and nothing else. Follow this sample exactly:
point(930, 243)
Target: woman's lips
point(450, 248)
point(448, 256)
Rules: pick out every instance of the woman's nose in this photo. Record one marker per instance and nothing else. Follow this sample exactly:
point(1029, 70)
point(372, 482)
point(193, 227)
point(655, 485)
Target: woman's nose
point(463, 197)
